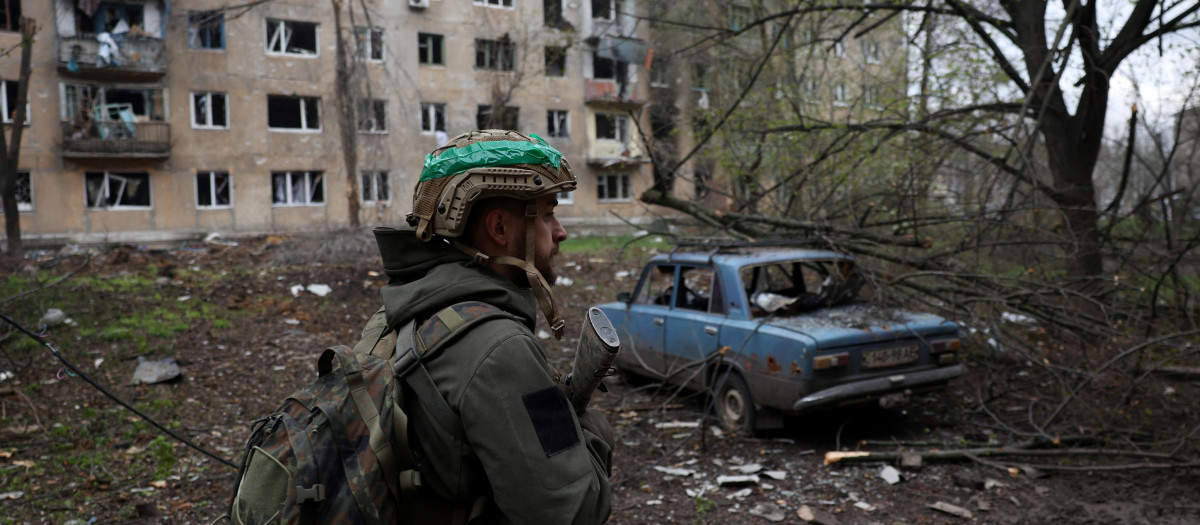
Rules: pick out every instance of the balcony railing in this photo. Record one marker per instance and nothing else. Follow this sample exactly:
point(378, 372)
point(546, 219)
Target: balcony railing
point(609, 91)
point(134, 57)
point(117, 139)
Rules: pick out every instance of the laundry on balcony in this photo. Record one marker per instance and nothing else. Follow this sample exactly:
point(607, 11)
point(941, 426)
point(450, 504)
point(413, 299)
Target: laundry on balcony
point(108, 51)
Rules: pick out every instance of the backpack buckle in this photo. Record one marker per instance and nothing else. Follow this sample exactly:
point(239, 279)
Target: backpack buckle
point(313, 493)
point(407, 361)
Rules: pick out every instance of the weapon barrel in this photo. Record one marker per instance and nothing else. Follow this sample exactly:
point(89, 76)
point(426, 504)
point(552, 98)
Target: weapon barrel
point(598, 347)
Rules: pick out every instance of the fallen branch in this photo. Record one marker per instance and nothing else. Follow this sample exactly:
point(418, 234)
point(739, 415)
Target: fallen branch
point(971, 453)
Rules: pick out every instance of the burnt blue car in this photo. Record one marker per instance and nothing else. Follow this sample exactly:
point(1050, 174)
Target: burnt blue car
point(776, 332)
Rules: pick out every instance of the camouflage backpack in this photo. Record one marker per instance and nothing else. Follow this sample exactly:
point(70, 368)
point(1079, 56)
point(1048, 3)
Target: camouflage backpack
point(337, 450)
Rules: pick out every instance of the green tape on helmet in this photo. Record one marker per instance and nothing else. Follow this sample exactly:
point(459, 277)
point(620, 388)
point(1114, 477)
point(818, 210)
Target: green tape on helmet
point(489, 153)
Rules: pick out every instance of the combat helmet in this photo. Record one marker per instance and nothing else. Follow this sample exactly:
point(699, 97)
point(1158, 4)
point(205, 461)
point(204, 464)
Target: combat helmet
point(484, 164)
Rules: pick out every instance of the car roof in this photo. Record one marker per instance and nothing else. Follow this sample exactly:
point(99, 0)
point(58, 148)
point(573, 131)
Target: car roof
point(746, 256)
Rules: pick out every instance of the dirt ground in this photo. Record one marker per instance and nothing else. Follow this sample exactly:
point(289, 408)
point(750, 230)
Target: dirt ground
point(68, 454)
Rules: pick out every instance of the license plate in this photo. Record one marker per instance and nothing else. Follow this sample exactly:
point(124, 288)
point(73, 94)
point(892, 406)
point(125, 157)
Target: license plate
point(891, 356)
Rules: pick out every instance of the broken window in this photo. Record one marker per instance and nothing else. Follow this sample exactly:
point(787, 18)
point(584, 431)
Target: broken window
point(802, 285)
point(115, 190)
point(612, 187)
point(604, 9)
point(603, 68)
point(495, 54)
point(286, 112)
point(24, 188)
point(210, 110)
point(658, 286)
point(286, 37)
point(610, 126)
point(557, 124)
point(552, 13)
point(213, 189)
point(556, 61)
point(505, 118)
point(368, 44)
point(297, 188)
point(8, 102)
point(433, 117)
point(429, 49)
point(699, 289)
point(206, 30)
point(494, 3)
point(372, 115)
point(375, 186)
point(10, 15)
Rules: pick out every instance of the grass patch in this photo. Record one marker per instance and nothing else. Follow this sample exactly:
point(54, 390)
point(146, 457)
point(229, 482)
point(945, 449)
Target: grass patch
point(629, 242)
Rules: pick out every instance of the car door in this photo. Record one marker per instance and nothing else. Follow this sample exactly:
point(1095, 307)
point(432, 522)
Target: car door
point(693, 325)
point(646, 321)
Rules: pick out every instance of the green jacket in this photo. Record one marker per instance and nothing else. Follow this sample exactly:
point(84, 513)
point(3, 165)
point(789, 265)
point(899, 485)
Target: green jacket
point(525, 458)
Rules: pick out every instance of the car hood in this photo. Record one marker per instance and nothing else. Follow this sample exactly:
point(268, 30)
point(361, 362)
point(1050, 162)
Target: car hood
point(857, 324)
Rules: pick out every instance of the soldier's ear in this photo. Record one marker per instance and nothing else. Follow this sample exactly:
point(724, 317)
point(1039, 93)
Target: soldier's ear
point(495, 226)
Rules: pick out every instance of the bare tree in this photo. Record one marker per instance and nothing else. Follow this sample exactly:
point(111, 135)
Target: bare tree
point(10, 152)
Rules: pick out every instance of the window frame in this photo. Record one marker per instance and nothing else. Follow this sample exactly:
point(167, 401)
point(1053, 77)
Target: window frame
point(430, 111)
point(213, 189)
point(105, 191)
point(24, 206)
point(509, 111)
point(308, 186)
point(558, 56)
point(624, 186)
point(372, 108)
point(303, 115)
point(620, 126)
point(282, 23)
point(209, 111)
point(495, 4)
point(6, 117)
point(375, 177)
point(841, 94)
point(558, 123)
point(364, 50)
point(195, 28)
point(495, 55)
point(436, 44)
point(870, 50)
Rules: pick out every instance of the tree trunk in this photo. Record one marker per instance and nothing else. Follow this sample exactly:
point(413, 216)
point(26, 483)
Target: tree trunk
point(10, 152)
point(346, 119)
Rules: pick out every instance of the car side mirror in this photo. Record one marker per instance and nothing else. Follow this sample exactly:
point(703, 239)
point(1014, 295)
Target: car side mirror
point(624, 297)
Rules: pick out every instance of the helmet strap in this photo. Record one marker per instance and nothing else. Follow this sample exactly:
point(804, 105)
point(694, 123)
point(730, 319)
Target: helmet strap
point(541, 289)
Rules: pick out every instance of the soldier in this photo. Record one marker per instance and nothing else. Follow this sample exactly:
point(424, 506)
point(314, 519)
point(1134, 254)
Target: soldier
point(485, 231)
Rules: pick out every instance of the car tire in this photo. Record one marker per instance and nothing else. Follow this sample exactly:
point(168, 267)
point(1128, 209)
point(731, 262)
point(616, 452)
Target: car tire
point(734, 405)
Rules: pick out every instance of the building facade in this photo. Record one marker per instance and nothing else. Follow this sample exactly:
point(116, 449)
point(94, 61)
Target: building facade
point(157, 120)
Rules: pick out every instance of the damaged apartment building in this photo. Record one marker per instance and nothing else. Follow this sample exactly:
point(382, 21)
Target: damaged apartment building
point(163, 120)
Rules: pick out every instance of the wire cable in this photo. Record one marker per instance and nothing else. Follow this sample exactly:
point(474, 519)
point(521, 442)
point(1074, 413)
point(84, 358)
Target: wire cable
point(71, 368)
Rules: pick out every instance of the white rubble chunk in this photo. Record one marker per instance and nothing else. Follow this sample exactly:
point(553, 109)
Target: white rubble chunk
point(890, 475)
point(749, 468)
point(777, 475)
point(953, 510)
point(672, 425)
point(320, 290)
point(768, 511)
point(681, 472)
point(737, 480)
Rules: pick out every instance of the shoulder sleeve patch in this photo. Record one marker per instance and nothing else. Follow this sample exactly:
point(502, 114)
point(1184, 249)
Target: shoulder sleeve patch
point(551, 416)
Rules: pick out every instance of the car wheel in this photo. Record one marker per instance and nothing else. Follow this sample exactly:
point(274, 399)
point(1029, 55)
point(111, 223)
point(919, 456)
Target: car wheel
point(735, 407)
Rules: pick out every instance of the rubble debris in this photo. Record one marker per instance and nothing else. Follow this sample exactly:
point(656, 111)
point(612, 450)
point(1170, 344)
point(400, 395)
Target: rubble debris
point(817, 516)
point(910, 461)
point(953, 510)
point(890, 475)
point(680, 472)
point(749, 468)
point(674, 425)
point(151, 372)
point(777, 475)
point(725, 481)
point(768, 511)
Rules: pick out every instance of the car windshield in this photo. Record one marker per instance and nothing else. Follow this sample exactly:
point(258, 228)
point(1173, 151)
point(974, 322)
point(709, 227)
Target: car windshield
point(797, 286)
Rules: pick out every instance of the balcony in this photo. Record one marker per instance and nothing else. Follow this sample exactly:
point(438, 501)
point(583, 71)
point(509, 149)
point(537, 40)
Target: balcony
point(117, 140)
point(135, 59)
point(610, 92)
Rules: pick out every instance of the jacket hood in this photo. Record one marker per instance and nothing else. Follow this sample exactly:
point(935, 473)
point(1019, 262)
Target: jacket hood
point(424, 277)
